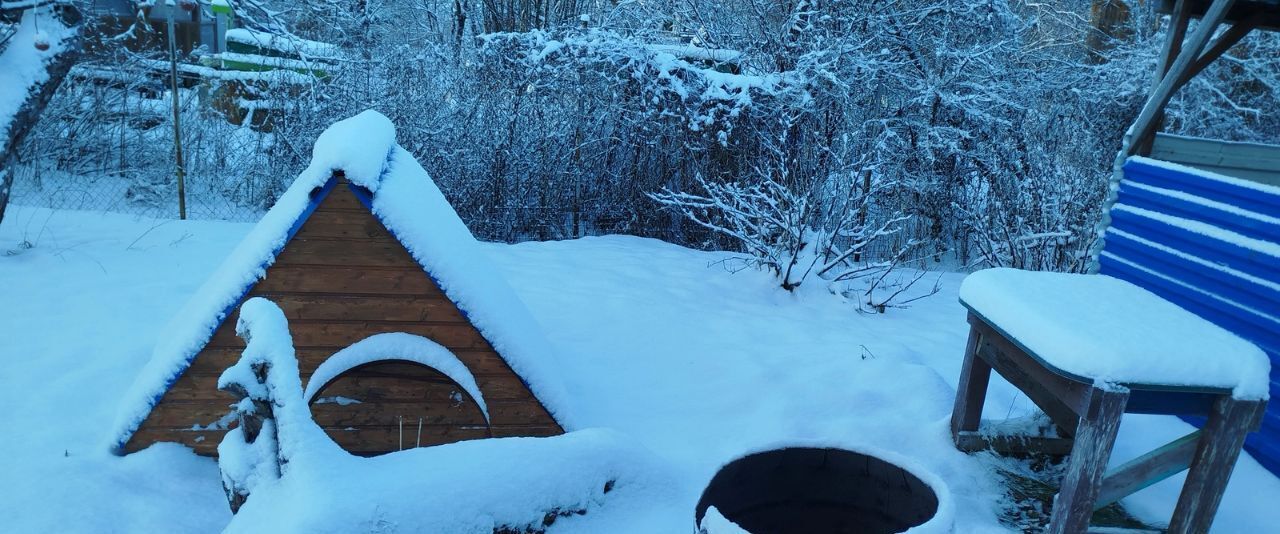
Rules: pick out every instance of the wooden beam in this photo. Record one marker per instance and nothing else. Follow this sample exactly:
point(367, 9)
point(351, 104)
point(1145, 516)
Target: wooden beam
point(1147, 469)
point(1073, 506)
point(1145, 124)
point(1179, 19)
point(1178, 22)
point(1264, 10)
point(1018, 445)
point(1042, 387)
point(1214, 460)
point(1061, 398)
point(1219, 46)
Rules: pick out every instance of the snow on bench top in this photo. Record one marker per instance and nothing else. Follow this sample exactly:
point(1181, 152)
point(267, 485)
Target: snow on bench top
point(408, 202)
point(1112, 331)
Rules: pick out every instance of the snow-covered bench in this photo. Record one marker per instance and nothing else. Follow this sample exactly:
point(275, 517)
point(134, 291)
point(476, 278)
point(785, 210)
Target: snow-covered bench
point(1188, 291)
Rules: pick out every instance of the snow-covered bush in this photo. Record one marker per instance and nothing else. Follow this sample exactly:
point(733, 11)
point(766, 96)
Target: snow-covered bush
point(798, 227)
point(997, 121)
point(274, 421)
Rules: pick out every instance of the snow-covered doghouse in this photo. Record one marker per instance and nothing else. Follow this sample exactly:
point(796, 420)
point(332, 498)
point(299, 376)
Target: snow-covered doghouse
point(405, 334)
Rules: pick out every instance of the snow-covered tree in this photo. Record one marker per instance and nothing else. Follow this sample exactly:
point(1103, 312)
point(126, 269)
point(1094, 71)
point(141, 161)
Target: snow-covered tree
point(37, 49)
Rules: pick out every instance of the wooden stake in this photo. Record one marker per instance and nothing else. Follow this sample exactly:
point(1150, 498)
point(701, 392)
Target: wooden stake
point(181, 170)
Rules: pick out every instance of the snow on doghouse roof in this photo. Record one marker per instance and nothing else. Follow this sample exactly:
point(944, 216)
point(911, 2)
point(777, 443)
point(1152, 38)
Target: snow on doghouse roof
point(408, 202)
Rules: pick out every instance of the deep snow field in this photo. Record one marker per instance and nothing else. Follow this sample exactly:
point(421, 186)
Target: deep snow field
point(663, 345)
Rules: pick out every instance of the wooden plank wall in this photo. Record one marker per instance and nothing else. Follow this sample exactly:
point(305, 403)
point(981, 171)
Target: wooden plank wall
point(341, 279)
point(1251, 161)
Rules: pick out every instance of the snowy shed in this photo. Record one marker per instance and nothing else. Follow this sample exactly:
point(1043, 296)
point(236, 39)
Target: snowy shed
point(404, 334)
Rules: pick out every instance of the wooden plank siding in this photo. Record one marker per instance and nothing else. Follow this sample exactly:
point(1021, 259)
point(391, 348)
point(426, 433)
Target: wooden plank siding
point(342, 278)
point(1250, 161)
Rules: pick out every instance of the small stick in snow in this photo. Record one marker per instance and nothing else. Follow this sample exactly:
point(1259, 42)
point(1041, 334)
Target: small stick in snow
point(400, 423)
point(419, 443)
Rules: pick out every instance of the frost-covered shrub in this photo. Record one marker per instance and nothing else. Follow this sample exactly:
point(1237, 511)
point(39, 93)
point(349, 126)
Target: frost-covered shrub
point(800, 226)
point(997, 121)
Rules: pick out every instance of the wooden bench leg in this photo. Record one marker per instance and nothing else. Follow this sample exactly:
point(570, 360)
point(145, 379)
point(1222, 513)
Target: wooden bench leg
point(971, 393)
point(1094, 439)
point(1221, 440)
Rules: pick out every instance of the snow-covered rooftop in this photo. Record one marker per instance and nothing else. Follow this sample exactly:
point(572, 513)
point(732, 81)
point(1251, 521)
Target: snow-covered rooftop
point(408, 202)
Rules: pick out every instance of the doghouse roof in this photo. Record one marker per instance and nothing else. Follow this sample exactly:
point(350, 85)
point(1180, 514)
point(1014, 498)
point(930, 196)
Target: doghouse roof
point(403, 197)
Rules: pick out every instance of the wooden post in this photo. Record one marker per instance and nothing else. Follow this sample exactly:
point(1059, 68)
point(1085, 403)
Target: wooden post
point(181, 170)
point(1073, 505)
point(1219, 447)
point(1145, 470)
point(971, 393)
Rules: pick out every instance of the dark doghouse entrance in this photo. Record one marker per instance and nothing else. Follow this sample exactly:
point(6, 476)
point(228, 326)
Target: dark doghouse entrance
point(818, 491)
point(390, 405)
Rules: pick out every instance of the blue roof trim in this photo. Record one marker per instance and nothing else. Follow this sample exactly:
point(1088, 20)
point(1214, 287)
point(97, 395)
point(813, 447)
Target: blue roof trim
point(317, 196)
point(365, 197)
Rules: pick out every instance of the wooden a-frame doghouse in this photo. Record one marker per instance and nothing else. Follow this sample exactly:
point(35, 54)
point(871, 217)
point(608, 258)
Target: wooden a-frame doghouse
point(348, 257)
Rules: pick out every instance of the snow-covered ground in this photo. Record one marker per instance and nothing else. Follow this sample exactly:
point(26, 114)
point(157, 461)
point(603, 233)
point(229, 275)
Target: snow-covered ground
point(660, 344)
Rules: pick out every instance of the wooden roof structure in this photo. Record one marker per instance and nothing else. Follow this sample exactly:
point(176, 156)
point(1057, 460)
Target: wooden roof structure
point(1261, 13)
point(341, 278)
point(1183, 56)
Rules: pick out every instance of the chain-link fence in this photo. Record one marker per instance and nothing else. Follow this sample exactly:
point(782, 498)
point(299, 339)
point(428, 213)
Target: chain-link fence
point(206, 198)
point(240, 199)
